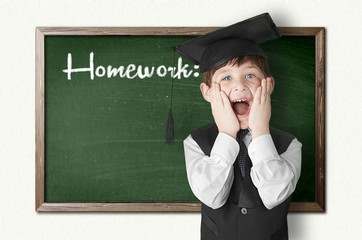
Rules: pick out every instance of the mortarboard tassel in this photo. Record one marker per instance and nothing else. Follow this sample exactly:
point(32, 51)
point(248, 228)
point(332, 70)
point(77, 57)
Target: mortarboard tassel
point(169, 125)
point(169, 128)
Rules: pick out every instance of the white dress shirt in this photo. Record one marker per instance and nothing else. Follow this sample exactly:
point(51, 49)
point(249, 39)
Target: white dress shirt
point(210, 178)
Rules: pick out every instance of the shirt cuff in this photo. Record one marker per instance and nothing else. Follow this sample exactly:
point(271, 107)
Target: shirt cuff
point(225, 147)
point(262, 148)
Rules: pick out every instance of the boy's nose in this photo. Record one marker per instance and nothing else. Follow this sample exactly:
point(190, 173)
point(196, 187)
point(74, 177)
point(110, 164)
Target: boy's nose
point(240, 89)
point(240, 86)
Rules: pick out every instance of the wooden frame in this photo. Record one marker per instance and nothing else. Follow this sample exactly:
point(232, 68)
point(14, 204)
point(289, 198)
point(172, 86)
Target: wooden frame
point(40, 205)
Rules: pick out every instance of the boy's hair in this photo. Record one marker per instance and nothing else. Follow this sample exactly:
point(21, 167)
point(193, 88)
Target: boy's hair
point(260, 62)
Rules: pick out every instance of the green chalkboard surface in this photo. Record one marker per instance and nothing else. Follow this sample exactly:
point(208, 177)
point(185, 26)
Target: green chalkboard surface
point(106, 101)
point(105, 138)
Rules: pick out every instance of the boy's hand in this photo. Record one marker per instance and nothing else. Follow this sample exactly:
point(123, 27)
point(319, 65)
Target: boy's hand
point(260, 111)
point(222, 111)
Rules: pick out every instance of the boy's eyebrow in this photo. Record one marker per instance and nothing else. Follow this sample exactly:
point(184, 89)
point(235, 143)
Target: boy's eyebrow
point(223, 70)
point(252, 66)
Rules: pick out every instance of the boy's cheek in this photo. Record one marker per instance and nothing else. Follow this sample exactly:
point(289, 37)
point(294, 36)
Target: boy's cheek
point(253, 91)
point(227, 91)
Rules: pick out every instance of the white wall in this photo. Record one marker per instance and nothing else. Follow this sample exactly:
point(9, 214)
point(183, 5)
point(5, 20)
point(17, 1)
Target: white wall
point(18, 19)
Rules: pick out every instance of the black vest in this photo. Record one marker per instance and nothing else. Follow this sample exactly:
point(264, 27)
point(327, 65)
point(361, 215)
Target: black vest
point(243, 216)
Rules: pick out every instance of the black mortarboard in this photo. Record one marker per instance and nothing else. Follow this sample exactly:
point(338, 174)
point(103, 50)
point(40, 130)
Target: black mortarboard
point(218, 47)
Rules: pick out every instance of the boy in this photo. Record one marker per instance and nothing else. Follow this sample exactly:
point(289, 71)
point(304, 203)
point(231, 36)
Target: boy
point(241, 170)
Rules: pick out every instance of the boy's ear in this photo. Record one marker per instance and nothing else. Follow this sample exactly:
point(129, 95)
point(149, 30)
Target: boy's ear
point(205, 91)
point(273, 84)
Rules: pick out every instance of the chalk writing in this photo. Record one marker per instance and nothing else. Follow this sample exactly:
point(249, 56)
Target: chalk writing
point(131, 71)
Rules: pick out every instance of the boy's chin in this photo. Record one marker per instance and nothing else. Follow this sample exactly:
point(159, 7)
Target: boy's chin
point(244, 123)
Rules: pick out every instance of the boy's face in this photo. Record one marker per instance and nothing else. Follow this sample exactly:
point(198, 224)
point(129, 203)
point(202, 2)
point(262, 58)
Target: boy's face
point(239, 83)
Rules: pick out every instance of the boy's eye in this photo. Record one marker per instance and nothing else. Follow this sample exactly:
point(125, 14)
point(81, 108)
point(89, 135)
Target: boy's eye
point(249, 75)
point(226, 78)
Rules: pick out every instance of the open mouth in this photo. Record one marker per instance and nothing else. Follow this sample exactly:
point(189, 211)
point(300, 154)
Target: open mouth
point(241, 106)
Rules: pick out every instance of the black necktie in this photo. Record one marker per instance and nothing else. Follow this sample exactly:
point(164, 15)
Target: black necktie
point(243, 153)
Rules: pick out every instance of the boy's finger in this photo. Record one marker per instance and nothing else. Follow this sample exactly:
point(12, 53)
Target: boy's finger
point(212, 94)
point(269, 86)
point(266, 90)
point(263, 91)
point(212, 90)
point(257, 95)
point(225, 99)
point(215, 94)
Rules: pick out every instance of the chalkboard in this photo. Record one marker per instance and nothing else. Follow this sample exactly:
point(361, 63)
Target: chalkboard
point(103, 96)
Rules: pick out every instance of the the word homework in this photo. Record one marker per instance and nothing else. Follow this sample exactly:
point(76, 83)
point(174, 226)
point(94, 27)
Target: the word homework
point(130, 71)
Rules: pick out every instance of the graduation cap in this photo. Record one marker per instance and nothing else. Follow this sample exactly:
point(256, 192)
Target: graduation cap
point(216, 48)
